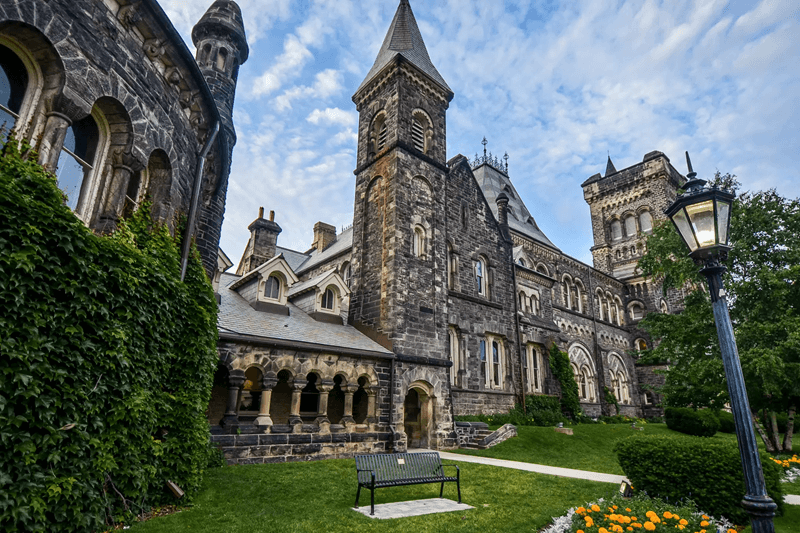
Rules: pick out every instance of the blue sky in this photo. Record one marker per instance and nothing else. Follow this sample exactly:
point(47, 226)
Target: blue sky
point(557, 85)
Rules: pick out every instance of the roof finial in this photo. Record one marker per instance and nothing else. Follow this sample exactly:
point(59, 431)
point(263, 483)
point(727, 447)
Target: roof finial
point(484, 142)
point(505, 157)
point(691, 173)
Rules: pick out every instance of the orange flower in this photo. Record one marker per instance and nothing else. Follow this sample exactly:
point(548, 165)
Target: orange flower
point(683, 522)
point(636, 524)
point(703, 523)
point(580, 510)
point(615, 507)
point(649, 526)
point(633, 518)
point(596, 508)
point(629, 528)
point(628, 509)
point(580, 531)
point(667, 515)
point(706, 517)
point(676, 517)
point(679, 526)
point(602, 530)
point(731, 531)
point(589, 521)
point(655, 519)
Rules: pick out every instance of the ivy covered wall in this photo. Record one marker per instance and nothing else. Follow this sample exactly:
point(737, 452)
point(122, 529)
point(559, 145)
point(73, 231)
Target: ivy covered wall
point(106, 362)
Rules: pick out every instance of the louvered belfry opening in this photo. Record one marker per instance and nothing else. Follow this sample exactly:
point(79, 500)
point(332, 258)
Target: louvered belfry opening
point(383, 134)
point(418, 134)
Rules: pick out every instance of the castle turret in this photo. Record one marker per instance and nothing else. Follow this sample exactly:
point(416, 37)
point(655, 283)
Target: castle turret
point(221, 49)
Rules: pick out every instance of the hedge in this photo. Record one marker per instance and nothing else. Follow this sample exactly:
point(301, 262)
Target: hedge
point(562, 371)
point(703, 423)
point(726, 423)
point(708, 472)
point(107, 362)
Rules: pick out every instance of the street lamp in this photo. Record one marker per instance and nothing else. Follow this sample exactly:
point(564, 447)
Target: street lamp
point(702, 217)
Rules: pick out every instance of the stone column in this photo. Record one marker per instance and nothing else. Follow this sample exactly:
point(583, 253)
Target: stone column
point(349, 391)
point(264, 419)
point(55, 130)
point(235, 382)
point(371, 393)
point(113, 199)
point(294, 413)
point(322, 411)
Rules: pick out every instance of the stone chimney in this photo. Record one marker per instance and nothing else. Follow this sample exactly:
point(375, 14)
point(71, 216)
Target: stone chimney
point(324, 234)
point(262, 244)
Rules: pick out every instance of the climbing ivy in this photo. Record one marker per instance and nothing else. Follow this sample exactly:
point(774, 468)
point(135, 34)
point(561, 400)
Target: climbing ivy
point(611, 398)
point(106, 361)
point(562, 371)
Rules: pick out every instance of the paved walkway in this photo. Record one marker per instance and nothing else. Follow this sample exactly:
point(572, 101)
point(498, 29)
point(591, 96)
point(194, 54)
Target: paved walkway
point(790, 499)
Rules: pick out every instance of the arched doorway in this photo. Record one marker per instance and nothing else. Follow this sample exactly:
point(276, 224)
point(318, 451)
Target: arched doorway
point(418, 416)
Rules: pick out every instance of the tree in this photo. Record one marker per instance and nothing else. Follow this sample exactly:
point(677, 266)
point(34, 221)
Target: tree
point(763, 287)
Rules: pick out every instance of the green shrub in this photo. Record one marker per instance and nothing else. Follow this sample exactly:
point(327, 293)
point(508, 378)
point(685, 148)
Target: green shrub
point(726, 424)
point(707, 471)
point(703, 423)
point(107, 362)
point(621, 419)
point(562, 371)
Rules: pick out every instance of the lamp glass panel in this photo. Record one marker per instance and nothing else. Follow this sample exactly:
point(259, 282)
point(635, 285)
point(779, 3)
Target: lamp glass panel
point(723, 214)
point(701, 216)
point(682, 223)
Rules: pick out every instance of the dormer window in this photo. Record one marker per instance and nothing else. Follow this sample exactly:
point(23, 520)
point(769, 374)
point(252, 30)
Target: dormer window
point(272, 288)
point(328, 299)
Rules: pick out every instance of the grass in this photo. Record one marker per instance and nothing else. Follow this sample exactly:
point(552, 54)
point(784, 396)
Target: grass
point(318, 496)
point(788, 523)
point(591, 447)
point(792, 488)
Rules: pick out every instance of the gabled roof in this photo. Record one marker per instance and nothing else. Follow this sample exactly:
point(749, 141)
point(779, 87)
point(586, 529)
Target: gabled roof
point(404, 39)
point(293, 257)
point(342, 244)
point(266, 267)
point(321, 281)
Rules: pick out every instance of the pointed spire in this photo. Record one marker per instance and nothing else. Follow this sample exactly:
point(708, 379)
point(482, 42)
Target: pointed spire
point(405, 39)
point(610, 169)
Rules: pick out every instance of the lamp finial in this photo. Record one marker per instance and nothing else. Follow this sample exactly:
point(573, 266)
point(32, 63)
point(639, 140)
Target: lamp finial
point(691, 173)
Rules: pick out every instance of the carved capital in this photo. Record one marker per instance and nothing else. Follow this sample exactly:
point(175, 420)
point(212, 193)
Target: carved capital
point(188, 99)
point(173, 76)
point(123, 158)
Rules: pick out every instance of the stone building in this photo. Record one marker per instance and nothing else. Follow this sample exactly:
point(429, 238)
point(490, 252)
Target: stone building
point(117, 107)
point(442, 299)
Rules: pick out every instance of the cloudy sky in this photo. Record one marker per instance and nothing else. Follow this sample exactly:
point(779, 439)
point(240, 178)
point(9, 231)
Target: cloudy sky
point(557, 85)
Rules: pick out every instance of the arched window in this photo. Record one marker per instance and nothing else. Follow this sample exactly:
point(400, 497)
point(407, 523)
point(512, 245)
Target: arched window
point(534, 364)
point(204, 57)
point(272, 288)
point(77, 160)
point(617, 311)
point(13, 86)
point(346, 273)
point(584, 384)
point(361, 402)
point(578, 303)
point(630, 226)
point(328, 299)
point(641, 344)
point(637, 311)
point(480, 276)
point(421, 131)
point(452, 352)
point(616, 230)
point(380, 133)
point(222, 58)
point(535, 309)
point(664, 308)
point(419, 242)
point(624, 394)
point(646, 222)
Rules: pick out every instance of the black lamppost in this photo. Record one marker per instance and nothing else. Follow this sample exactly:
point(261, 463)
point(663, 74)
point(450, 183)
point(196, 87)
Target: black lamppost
point(702, 217)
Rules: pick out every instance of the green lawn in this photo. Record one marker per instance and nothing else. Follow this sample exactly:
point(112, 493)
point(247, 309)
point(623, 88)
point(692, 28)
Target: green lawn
point(792, 488)
point(788, 523)
point(590, 448)
point(318, 496)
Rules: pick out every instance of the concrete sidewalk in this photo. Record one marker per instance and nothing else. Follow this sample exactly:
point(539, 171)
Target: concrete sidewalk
point(530, 467)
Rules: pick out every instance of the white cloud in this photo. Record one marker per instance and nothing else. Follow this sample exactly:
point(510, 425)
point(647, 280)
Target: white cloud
point(326, 83)
point(332, 115)
point(295, 55)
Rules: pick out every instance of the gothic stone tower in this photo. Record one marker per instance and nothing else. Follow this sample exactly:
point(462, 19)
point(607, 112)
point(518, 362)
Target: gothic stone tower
point(398, 240)
point(221, 49)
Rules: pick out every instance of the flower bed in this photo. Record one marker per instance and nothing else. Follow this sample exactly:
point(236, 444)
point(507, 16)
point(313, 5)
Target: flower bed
point(638, 514)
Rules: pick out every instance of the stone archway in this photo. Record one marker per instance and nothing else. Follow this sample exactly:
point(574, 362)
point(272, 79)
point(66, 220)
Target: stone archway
point(418, 416)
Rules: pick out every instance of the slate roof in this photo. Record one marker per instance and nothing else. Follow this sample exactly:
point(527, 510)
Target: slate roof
point(303, 286)
point(293, 257)
point(492, 183)
point(343, 242)
point(236, 316)
point(404, 39)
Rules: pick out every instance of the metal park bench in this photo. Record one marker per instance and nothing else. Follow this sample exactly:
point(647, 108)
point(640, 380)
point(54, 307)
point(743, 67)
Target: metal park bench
point(398, 469)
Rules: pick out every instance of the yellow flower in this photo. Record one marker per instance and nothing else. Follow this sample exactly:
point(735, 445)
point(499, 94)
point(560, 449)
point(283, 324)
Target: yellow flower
point(683, 522)
point(629, 528)
point(655, 519)
point(702, 531)
point(628, 509)
point(615, 507)
point(589, 521)
point(636, 524)
point(595, 508)
point(679, 526)
point(731, 531)
point(602, 530)
point(676, 517)
point(580, 510)
point(667, 514)
point(633, 518)
point(649, 526)
point(706, 517)
point(704, 523)
point(580, 531)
